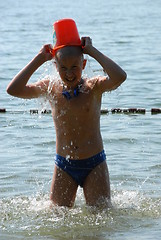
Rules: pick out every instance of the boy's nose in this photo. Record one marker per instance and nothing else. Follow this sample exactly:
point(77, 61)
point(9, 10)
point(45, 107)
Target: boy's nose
point(69, 73)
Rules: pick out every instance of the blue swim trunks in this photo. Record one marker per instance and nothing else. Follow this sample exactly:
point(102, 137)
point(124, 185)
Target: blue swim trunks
point(79, 169)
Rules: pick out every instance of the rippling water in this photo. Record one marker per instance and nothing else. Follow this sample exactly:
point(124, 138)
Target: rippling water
point(128, 32)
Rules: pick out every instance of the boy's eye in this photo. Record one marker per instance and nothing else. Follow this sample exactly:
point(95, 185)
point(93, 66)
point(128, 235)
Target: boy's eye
point(63, 68)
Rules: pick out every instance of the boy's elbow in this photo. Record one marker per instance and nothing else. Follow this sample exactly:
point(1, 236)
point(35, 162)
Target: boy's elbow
point(123, 76)
point(10, 91)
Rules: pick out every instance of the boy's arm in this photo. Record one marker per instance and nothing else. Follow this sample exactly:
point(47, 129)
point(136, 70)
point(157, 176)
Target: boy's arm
point(18, 87)
point(116, 74)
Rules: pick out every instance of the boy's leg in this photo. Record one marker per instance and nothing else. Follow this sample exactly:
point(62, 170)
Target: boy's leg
point(97, 186)
point(63, 188)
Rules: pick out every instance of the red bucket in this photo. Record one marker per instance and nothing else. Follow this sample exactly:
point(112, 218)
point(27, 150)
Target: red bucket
point(65, 33)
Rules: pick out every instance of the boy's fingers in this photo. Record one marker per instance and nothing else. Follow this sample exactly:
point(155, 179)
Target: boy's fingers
point(86, 40)
point(83, 41)
point(89, 40)
point(48, 48)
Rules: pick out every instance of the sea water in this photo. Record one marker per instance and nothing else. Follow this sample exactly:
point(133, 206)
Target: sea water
point(129, 33)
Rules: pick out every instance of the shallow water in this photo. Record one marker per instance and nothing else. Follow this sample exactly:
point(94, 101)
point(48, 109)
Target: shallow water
point(129, 33)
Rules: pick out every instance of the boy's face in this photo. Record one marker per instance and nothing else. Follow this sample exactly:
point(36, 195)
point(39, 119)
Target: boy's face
point(70, 63)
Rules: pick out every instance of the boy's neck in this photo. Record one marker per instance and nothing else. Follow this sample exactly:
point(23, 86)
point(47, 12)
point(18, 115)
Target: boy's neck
point(72, 92)
point(72, 88)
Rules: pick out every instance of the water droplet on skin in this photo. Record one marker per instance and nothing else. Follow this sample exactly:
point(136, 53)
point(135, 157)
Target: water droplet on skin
point(62, 112)
point(67, 157)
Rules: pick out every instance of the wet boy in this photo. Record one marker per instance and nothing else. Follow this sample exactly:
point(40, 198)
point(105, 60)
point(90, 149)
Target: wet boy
point(76, 102)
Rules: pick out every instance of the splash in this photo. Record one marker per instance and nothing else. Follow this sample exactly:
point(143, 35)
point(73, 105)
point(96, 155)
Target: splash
point(50, 72)
point(54, 79)
point(34, 215)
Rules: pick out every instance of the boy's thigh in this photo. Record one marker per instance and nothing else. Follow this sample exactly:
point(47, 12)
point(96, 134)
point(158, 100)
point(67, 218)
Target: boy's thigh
point(63, 188)
point(97, 185)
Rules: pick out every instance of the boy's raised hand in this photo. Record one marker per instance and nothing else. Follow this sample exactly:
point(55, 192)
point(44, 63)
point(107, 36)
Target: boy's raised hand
point(86, 44)
point(47, 52)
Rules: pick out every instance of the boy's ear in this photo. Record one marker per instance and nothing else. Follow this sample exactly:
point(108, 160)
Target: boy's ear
point(84, 63)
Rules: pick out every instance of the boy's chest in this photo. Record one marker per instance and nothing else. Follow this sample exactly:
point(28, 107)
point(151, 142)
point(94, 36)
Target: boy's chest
point(77, 106)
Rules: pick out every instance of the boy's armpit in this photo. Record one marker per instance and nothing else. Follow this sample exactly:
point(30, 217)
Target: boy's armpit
point(105, 84)
point(91, 83)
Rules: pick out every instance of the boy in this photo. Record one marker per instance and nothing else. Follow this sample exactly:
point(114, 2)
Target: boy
point(76, 102)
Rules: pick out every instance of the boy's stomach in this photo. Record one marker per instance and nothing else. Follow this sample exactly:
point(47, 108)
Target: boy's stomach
point(79, 145)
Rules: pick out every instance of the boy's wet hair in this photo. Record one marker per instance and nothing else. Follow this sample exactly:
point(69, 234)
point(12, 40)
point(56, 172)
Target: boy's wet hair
point(69, 50)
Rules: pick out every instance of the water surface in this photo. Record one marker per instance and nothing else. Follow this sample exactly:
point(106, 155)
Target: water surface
point(129, 33)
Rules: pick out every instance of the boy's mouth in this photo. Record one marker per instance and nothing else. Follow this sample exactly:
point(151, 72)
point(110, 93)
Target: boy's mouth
point(70, 79)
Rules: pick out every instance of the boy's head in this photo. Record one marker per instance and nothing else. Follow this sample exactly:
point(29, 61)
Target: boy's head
point(70, 63)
